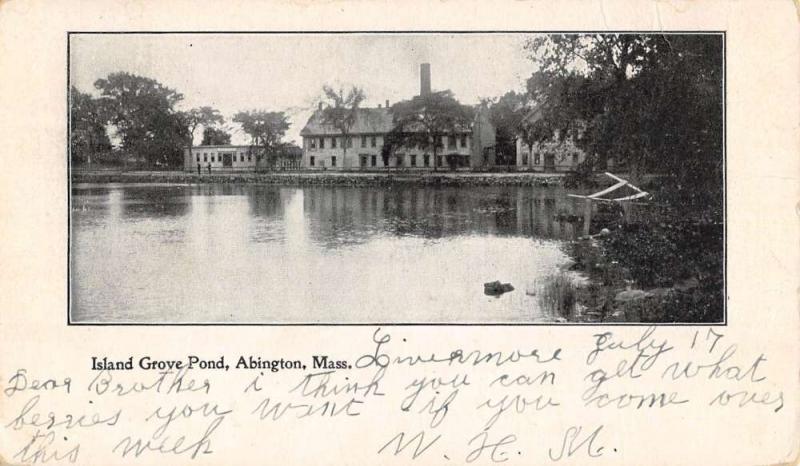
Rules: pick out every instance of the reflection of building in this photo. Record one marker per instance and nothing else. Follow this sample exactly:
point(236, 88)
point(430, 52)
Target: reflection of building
point(324, 146)
point(342, 215)
point(547, 156)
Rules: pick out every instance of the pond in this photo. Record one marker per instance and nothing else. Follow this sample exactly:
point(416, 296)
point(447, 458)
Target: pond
point(263, 254)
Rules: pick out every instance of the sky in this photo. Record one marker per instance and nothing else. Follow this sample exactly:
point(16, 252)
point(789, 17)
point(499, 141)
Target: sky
point(286, 72)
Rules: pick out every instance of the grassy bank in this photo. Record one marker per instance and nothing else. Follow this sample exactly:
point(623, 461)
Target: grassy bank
point(326, 178)
point(661, 268)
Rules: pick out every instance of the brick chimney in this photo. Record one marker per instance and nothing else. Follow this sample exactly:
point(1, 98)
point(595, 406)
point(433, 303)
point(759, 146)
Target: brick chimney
point(425, 79)
point(387, 103)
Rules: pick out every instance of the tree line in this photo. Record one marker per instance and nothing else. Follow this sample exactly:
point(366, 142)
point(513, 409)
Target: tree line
point(142, 115)
point(651, 103)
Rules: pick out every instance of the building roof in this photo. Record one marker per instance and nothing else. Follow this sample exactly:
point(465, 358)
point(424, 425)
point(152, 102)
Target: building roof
point(368, 121)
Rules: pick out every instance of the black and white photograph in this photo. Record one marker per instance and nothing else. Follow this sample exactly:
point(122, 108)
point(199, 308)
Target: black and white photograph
point(388, 178)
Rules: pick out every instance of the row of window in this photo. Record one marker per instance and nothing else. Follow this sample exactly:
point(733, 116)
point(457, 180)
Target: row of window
point(537, 159)
point(452, 142)
point(372, 160)
point(219, 157)
point(312, 142)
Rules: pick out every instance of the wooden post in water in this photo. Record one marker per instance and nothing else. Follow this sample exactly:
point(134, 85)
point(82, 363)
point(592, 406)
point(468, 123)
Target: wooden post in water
point(587, 216)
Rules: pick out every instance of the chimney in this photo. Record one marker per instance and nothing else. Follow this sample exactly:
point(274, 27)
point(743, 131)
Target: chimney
point(379, 105)
point(387, 103)
point(425, 79)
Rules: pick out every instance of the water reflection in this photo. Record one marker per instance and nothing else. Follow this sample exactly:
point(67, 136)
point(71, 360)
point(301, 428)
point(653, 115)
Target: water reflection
point(436, 212)
point(257, 253)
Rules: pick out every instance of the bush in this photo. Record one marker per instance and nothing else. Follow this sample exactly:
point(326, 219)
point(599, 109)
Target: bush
point(662, 254)
point(557, 295)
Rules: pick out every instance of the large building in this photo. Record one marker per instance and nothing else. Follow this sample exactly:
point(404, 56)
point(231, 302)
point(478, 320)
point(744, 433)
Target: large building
point(324, 146)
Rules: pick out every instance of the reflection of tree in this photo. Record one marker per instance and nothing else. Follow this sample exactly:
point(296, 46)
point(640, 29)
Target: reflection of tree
point(154, 202)
point(341, 216)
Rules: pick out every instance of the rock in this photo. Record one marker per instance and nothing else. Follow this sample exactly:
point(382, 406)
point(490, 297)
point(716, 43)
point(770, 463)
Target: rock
point(496, 288)
point(660, 292)
point(631, 295)
point(605, 232)
point(688, 284)
point(616, 316)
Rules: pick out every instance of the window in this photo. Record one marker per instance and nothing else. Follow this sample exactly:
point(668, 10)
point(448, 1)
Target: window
point(333, 160)
point(241, 158)
point(311, 161)
point(363, 141)
point(373, 161)
point(312, 143)
point(464, 140)
point(426, 160)
point(205, 157)
point(451, 142)
point(466, 160)
point(321, 143)
point(333, 143)
point(198, 157)
point(399, 160)
point(373, 142)
point(524, 159)
point(413, 160)
point(438, 160)
point(212, 157)
point(249, 157)
point(349, 142)
point(363, 160)
point(536, 159)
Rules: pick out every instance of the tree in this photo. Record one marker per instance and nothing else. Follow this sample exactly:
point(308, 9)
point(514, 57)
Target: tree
point(649, 101)
point(266, 129)
point(88, 135)
point(425, 119)
point(215, 137)
point(341, 111)
point(201, 116)
point(143, 112)
point(506, 115)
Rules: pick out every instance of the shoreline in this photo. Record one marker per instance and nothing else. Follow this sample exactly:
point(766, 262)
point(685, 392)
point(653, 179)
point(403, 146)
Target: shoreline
point(328, 178)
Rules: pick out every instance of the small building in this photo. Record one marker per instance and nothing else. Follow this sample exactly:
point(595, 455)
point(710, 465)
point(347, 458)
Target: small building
point(227, 157)
point(325, 148)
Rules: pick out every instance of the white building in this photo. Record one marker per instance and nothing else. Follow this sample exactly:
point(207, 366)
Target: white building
point(227, 157)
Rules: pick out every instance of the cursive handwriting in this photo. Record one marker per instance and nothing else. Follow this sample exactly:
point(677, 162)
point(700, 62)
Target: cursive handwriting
point(573, 443)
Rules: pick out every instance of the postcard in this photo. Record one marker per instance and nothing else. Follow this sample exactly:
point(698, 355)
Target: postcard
point(528, 233)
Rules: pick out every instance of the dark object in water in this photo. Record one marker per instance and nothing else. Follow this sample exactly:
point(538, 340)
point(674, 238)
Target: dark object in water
point(496, 288)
